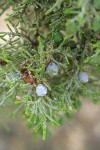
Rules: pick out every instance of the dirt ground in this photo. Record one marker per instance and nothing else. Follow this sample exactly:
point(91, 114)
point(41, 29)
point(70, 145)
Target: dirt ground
point(80, 133)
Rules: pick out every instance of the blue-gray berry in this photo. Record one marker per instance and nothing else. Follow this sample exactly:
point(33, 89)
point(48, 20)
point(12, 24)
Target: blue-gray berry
point(41, 90)
point(12, 76)
point(83, 77)
point(52, 69)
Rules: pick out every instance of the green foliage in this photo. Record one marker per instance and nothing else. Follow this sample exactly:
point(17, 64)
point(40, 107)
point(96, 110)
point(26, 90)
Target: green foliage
point(96, 24)
point(97, 3)
point(44, 31)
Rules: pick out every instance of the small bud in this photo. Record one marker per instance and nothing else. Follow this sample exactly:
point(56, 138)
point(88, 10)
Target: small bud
point(83, 77)
point(52, 69)
point(58, 37)
point(41, 90)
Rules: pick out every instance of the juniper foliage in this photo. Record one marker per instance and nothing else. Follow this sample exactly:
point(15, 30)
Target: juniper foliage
point(65, 32)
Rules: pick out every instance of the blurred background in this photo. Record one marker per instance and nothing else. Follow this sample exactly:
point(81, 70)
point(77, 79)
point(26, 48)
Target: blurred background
point(82, 132)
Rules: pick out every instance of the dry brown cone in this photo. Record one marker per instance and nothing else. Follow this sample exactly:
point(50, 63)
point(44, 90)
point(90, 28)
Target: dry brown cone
point(27, 76)
point(3, 63)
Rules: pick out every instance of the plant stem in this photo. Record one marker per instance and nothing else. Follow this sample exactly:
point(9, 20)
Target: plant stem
point(57, 4)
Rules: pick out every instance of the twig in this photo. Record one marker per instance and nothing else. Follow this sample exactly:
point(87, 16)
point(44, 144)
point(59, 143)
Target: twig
point(57, 4)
